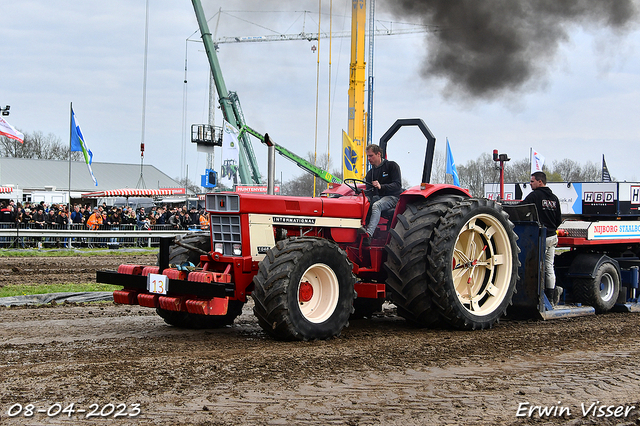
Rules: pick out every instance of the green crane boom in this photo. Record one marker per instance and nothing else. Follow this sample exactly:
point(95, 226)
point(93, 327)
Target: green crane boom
point(232, 112)
point(230, 107)
point(300, 162)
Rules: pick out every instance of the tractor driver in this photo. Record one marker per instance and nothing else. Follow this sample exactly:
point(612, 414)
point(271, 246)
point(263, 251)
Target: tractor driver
point(386, 180)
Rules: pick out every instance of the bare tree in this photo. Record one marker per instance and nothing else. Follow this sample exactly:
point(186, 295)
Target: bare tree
point(592, 172)
point(438, 169)
point(572, 171)
point(37, 145)
point(190, 185)
point(569, 170)
point(517, 171)
point(552, 176)
point(475, 173)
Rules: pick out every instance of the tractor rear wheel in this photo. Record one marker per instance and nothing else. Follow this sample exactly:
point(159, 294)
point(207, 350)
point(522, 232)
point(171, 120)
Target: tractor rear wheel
point(407, 266)
point(474, 264)
point(304, 290)
point(179, 255)
point(601, 292)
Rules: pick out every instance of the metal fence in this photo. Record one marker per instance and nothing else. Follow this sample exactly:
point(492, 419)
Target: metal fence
point(78, 235)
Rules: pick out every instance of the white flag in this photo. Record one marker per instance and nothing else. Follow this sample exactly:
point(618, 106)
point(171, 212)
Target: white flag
point(230, 157)
point(9, 131)
point(537, 161)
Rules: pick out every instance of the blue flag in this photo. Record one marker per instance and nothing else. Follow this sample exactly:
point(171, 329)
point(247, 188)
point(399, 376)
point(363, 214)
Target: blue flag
point(451, 166)
point(78, 144)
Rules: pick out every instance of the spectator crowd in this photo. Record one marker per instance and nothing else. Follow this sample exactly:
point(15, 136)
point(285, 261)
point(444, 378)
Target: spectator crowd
point(56, 216)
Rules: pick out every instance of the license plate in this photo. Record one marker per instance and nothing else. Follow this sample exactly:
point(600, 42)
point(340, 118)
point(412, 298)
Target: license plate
point(157, 283)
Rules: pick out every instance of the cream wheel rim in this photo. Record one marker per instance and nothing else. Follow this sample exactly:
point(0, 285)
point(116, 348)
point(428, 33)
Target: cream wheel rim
point(318, 293)
point(481, 264)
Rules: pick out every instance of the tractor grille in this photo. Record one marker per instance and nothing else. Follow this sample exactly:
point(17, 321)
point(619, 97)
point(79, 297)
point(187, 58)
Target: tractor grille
point(226, 230)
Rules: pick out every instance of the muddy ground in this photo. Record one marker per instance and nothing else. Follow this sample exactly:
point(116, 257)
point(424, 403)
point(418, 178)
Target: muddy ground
point(378, 372)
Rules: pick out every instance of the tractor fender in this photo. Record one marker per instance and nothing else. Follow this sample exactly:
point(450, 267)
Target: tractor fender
point(585, 265)
point(415, 194)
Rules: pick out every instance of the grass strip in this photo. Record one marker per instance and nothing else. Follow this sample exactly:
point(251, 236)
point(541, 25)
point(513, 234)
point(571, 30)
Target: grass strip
point(75, 252)
point(23, 290)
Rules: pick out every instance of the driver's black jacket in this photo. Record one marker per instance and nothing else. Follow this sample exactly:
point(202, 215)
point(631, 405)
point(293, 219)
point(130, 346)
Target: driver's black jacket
point(389, 176)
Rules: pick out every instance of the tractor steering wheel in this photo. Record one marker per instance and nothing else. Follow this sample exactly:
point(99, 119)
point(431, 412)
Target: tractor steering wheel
point(354, 182)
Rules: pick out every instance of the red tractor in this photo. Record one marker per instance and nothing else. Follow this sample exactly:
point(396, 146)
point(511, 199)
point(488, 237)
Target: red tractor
point(441, 256)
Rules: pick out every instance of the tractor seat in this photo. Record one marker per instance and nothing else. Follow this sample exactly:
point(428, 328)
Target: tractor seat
point(388, 213)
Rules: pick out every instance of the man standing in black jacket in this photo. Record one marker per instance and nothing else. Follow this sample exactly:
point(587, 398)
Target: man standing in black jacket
point(7, 215)
point(549, 215)
point(386, 179)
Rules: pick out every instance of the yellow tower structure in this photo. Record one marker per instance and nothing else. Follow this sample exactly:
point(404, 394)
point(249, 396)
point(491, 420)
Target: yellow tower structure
point(354, 142)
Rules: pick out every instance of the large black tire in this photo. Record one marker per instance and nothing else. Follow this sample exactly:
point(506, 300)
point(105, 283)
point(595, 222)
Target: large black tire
point(601, 292)
point(188, 320)
point(474, 264)
point(304, 290)
point(175, 318)
point(179, 255)
point(407, 264)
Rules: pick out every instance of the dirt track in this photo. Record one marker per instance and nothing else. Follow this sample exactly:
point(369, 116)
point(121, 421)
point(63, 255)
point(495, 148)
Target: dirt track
point(380, 371)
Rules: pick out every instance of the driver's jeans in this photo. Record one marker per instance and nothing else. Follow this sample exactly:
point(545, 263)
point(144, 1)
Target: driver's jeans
point(384, 203)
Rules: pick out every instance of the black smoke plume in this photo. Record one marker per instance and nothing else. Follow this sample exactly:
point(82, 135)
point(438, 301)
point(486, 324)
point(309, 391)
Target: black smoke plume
point(489, 48)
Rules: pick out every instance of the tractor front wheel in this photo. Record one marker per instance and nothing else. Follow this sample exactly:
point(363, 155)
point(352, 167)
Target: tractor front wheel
point(182, 319)
point(304, 290)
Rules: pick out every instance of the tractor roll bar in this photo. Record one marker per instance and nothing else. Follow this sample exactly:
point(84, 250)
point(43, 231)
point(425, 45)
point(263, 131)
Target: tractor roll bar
point(431, 142)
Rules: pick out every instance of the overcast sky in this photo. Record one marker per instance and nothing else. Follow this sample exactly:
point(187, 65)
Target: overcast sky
point(581, 102)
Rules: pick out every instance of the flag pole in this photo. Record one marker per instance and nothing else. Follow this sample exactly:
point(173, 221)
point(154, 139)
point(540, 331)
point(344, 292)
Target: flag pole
point(446, 161)
point(70, 136)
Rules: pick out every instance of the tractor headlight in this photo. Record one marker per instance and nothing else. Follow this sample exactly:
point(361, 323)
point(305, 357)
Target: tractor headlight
point(218, 247)
point(237, 249)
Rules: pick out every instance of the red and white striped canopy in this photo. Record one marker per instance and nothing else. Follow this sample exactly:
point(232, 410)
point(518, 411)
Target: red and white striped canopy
point(135, 193)
point(5, 189)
